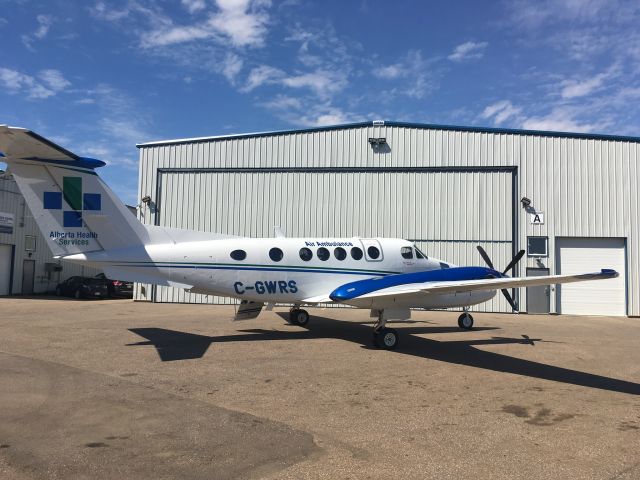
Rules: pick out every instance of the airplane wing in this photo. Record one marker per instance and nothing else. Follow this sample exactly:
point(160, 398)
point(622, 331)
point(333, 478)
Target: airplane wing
point(381, 288)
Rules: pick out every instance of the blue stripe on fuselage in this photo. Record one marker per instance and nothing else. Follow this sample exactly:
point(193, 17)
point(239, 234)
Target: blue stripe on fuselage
point(355, 289)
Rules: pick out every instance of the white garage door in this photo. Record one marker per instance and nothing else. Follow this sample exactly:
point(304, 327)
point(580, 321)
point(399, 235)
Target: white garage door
point(5, 269)
point(582, 255)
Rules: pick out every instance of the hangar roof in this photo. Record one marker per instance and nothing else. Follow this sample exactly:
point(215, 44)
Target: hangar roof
point(380, 123)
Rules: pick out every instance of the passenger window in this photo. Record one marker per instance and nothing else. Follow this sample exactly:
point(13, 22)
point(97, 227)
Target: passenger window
point(275, 254)
point(306, 254)
point(444, 265)
point(238, 255)
point(323, 254)
point(340, 253)
point(406, 252)
point(356, 253)
point(373, 252)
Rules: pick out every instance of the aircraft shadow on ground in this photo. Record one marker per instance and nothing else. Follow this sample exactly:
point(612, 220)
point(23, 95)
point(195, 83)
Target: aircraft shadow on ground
point(173, 345)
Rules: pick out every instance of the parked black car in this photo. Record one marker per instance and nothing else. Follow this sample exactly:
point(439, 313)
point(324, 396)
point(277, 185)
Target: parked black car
point(83, 287)
point(117, 288)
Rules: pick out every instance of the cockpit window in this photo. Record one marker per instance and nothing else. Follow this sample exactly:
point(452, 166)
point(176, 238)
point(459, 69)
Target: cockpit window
point(419, 254)
point(444, 265)
point(406, 252)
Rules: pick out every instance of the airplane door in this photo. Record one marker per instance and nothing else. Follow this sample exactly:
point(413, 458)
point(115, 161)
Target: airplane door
point(372, 249)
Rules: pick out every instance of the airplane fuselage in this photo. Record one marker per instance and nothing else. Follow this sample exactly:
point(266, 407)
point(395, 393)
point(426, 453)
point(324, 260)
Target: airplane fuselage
point(282, 270)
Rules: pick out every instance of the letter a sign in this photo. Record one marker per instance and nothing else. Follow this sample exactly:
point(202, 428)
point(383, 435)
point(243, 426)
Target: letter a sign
point(537, 218)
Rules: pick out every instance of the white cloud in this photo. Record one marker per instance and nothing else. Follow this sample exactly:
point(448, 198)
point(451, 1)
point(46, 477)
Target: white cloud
point(54, 79)
point(44, 24)
point(468, 51)
point(194, 5)
point(17, 82)
point(559, 120)
point(534, 14)
point(264, 74)
point(103, 12)
point(322, 82)
point(573, 88)
point(501, 111)
point(308, 112)
point(241, 23)
point(231, 67)
point(414, 72)
point(389, 72)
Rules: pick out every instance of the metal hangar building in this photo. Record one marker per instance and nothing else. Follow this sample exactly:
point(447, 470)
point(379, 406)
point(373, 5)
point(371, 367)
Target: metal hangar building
point(570, 199)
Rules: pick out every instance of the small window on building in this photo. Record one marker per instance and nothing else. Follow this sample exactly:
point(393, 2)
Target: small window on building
point(275, 254)
point(356, 253)
point(306, 254)
point(537, 246)
point(444, 265)
point(30, 243)
point(373, 252)
point(340, 253)
point(323, 254)
point(406, 252)
point(238, 255)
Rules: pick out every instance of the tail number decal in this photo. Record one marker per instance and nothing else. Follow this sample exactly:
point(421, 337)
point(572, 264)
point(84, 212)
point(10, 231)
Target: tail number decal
point(267, 287)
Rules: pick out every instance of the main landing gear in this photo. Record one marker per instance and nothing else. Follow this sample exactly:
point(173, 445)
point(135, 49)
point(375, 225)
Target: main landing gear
point(465, 321)
point(297, 316)
point(383, 337)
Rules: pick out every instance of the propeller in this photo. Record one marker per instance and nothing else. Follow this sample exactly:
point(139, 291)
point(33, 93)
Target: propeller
point(514, 261)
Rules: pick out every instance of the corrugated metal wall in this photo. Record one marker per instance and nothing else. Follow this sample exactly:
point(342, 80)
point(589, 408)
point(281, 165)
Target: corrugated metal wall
point(11, 201)
point(585, 187)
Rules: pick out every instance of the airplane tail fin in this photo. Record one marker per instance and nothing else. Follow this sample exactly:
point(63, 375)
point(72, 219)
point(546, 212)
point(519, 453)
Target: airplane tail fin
point(73, 207)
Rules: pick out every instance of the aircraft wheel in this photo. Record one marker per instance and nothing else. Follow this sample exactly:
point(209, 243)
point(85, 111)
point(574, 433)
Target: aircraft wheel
point(386, 338)
point(465, 321)
point(298, 316)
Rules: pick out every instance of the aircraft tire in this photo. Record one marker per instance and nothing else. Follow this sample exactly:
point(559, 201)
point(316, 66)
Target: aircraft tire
point(298, 316)
point(465, 321)
point(386, 338)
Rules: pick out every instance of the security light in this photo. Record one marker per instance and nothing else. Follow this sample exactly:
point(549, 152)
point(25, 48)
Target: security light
point(146, 199)
point(377, 141)
point(525, 202)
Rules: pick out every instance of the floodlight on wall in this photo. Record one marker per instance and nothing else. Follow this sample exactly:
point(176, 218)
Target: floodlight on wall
point(377, 141)
point(146, 199)
point(525, 202)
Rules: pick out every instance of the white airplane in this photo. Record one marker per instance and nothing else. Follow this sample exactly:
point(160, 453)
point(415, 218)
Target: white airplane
point(86, 223)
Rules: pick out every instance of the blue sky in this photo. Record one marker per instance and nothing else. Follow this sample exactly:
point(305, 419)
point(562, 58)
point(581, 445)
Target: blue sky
point(100, 76)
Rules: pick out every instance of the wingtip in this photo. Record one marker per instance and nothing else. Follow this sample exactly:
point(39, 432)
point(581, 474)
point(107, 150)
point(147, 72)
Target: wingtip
point(609, 272)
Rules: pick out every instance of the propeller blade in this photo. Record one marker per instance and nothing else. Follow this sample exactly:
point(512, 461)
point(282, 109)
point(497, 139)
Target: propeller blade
point(484, 256)
point(507, 295)
point(513, 262)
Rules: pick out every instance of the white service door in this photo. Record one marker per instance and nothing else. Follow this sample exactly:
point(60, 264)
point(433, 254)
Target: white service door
point(5, 269)
point(585, 255)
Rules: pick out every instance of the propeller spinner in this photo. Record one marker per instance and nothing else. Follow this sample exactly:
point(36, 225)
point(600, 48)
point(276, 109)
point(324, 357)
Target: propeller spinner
point(514, 261)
